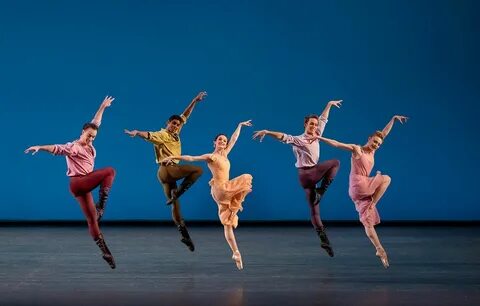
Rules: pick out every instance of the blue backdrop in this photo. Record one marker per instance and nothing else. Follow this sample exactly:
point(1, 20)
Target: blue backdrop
point(269, 61)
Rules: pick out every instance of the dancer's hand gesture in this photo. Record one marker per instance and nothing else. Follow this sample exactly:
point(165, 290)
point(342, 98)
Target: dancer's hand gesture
point(336, 103)
point(312, 138)
point(246, 123)
point(401, 119)
point(131, 133)
point(200, 96)
point(260, 135)
point(33, 149)
point(107, 101)
point(167, 160)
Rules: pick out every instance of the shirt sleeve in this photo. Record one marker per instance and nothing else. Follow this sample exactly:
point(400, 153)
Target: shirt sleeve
point(322, 122)
point(294, 140)
point(157, 137)
point(69, 149)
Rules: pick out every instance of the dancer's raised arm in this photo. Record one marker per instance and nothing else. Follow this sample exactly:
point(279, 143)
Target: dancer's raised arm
point(236, 133)
point(199, 97)
point(97, 119)
point(322, 120)
point(386, 130)
point(326, 110)
point(190, 158)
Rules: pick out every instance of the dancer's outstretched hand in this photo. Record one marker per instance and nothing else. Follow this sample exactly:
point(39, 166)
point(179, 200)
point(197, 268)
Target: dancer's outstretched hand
point(260, 135)
point(200, 96)
point(246, 123)
point(167, 160)
point(131, 133)
point(312, 138)
point(401, 119)
point(107, 101)
point(33, 149)
point(336, 103)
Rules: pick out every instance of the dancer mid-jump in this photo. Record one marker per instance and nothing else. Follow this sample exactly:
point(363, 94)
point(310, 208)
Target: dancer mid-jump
point(228, 194)
point(167, 143)
point(80, 155)
point(310, 171)
point(366, 191)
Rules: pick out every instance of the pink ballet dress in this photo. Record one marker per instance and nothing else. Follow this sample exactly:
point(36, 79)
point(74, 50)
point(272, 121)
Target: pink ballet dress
point(228, 194)
point(362, 187)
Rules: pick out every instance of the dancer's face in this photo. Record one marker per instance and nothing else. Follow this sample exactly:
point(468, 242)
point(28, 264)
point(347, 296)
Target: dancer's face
point(311, 126)
point(88, 135)
point(173, 126)
point(374, 142)
point(221, 142)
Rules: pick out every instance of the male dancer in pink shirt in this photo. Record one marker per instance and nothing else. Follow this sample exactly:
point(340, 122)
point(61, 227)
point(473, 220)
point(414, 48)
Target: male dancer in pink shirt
point(80, 155)
point(310, 172)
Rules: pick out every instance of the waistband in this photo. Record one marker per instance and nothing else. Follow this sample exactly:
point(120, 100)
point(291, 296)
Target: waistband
point(305, 168)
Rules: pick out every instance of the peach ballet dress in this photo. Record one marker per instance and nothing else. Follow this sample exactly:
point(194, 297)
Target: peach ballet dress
point(228, 194)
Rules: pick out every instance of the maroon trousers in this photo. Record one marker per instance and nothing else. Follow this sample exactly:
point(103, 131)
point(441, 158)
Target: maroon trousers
point(81, 187)
point(309, 178)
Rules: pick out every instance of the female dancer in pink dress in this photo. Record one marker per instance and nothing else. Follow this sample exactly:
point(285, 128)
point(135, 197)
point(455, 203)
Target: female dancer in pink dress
point(366, 191)
point(228, 194)
point(80, 155)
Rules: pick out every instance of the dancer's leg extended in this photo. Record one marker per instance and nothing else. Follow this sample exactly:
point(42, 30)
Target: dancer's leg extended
point(372, 235)
point(230, 237)
point(177, 217)
point(88, 208)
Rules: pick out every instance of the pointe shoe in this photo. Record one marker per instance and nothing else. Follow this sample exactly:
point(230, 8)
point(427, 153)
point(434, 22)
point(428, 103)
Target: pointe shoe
point(383, 257)
point(238, 259)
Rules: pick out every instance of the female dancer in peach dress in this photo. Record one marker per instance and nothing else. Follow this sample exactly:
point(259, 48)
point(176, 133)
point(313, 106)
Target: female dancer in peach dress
point(228, 194)
point(366, 191)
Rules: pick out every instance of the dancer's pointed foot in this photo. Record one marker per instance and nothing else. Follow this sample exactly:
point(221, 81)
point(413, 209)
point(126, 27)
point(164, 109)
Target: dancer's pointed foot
point(383, 257)
point(185, 236)
point(109, 259)
point(325, 243)
point(238, 259)
point(189, 243)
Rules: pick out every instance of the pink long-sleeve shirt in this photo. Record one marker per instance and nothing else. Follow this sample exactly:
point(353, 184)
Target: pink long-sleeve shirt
point(80, 159)
point(306, 153)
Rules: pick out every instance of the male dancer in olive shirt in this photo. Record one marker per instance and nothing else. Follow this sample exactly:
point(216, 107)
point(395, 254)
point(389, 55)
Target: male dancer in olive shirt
point(167, 143)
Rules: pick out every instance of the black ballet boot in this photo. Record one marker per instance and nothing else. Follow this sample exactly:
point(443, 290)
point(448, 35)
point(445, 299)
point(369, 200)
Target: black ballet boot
point(102, 202)
point(325, 242)
point(320, 191)
point(107, 256)
point(176, 193)
point(185, 236)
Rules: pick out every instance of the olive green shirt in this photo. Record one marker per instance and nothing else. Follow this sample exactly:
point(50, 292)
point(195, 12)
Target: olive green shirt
point(166, 144)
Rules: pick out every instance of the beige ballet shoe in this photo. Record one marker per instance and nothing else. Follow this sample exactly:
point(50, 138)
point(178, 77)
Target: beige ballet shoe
point(238, 259)
point(383, 257)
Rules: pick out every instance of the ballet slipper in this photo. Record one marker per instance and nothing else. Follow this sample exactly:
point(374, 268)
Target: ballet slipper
point(383, 257)
point(238, 259)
